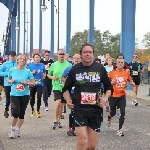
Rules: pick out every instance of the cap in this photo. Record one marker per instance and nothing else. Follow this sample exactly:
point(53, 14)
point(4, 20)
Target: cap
point(135, 56)
point(13, 53)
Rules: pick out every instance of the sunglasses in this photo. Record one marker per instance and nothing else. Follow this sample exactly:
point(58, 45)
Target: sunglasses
point(61, 54)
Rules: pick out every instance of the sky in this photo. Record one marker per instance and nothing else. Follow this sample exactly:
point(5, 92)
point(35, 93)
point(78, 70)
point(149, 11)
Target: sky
point(107, 17)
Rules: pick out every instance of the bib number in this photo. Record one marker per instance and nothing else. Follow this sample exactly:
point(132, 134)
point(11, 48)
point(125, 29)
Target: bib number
point(20, 87)
point(61, 83)
point(135, 73)
point(88, 98)
point(37, 81)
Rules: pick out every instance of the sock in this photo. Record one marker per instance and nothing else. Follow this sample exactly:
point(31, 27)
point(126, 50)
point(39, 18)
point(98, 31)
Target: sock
point(13, 127)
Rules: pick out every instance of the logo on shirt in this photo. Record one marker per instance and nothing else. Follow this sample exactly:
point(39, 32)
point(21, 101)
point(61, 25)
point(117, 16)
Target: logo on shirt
point(121, 83)
point(88, 77)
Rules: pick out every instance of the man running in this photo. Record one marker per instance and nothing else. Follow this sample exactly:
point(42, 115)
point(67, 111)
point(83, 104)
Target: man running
point(76, 60)
point(86, 101)
point(39, 73)
point(55, 73)
point(47, 83)
point(4, 72)
point(136, 69)
point(119, 79)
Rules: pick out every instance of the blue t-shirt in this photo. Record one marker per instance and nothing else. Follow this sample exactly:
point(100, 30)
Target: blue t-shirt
point(40, 70)
point(65, 74)
point(17, 88)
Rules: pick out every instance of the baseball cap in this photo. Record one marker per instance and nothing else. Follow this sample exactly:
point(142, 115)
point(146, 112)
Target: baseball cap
point(13, 53)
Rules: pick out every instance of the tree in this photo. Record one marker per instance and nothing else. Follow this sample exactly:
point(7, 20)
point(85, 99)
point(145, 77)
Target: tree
point(103, 42)
point(146, 40)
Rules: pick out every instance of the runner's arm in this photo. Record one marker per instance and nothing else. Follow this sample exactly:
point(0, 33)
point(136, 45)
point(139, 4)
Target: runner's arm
point(107, 83)
point(68, 86)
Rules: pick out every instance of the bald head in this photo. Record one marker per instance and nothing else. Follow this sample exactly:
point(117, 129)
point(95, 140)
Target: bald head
point(76, 58)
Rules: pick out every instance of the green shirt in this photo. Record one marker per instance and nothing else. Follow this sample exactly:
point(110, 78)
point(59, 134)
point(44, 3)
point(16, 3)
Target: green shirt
point(57, 69)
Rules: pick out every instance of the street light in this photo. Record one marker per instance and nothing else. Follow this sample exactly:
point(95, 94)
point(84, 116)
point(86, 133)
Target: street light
point(4, 37)
point(43, 7)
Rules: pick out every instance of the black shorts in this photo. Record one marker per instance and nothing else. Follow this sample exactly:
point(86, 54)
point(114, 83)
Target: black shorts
point(136, 80)
point(89, 119)
point(59, 95)
point(1, 81)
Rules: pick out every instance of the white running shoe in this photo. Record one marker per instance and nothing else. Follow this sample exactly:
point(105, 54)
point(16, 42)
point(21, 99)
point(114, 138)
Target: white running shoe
point(120, 133)
point(135, 102)
point(46, 108)
point(12, 133)
point(17, 133)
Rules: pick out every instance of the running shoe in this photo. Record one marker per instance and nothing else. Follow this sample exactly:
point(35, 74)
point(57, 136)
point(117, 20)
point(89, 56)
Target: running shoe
point(120, 133)
point(55, 125)
point(38, 115)
point(17, 133)
point(59, 124)
point(46, 108)
point(6, 114)
point(135, 102)
point(71, 132)
point(12, 133)
point(32, 113)
point(62, 116)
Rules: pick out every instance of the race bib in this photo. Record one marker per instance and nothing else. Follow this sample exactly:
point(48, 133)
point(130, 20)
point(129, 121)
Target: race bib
point(88, 98)
point(37, 81)
point(20, 87)
point(47, 66)
point(135, 73)
point(61, 83)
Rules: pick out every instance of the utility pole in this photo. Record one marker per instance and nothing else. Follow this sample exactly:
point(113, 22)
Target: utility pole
point(58, 26)
point(27, 35)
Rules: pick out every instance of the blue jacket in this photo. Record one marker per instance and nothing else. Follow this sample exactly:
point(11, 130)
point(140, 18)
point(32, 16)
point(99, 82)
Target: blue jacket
point(6, 66)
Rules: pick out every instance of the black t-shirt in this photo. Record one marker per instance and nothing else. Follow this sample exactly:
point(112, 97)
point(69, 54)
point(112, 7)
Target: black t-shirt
point(134, 67)
point(86, 79)
point(47, 66)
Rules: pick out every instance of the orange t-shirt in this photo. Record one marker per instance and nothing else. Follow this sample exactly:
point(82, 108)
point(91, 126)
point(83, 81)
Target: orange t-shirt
point(122, 77)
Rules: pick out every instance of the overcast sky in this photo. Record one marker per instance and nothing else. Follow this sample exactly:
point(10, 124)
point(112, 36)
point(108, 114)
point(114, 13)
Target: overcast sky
point(107, 17)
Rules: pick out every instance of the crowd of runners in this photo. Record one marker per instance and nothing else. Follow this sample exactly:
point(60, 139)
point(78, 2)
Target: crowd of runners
point(85, 85)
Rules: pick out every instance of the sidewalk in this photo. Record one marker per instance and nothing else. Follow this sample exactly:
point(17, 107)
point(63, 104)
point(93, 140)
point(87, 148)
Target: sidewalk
point(142, 94)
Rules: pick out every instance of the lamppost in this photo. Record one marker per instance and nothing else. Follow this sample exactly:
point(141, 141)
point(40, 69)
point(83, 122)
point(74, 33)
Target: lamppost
point(52, 24)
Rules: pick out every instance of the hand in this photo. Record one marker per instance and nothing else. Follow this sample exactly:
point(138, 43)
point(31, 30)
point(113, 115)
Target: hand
point(114, 81)
point(54, 78)
point(102, 103)
point(34, 72)
point(24, 82)
point(132, 84)
point(127, 70)
point(139, 70)
point(69, 104)
point(12, 81)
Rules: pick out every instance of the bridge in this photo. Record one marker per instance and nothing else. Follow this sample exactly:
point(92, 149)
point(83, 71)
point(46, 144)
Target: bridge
point(127, 40)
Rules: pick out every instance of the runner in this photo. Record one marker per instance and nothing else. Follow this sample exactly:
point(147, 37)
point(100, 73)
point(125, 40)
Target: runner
point(76, 60)
point(1, 77)
point(47, 83)
point(20, 79)
point(108, 67)
point(119, 79)
point(86, 78)
point(136, 69)
point(39, 73)
point(55, 73)
point(4, 72)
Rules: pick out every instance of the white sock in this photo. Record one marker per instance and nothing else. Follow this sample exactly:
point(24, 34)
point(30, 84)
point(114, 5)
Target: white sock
point(13, 127)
